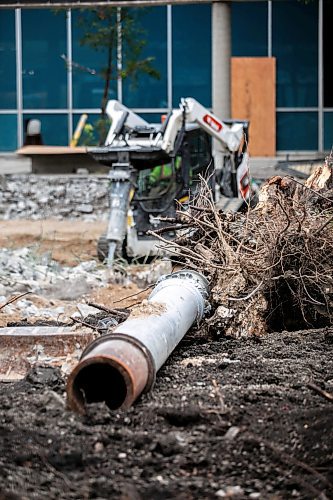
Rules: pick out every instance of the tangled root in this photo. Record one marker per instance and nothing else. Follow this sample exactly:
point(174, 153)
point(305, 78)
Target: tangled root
point(271, 267)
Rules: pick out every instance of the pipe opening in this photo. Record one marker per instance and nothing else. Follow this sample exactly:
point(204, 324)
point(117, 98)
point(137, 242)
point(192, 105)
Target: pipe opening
point(100, 382)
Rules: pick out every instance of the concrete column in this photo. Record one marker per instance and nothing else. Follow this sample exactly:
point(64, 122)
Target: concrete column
point(221, 54)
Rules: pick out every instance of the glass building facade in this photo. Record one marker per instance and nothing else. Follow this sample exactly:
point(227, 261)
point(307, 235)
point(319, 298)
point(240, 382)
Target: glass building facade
point(46, 72)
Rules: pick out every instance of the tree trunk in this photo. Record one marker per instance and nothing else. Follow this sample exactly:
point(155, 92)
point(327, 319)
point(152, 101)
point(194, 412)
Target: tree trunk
point(107, 79)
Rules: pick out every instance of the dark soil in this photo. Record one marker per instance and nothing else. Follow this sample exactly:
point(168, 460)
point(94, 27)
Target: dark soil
point(226, 419)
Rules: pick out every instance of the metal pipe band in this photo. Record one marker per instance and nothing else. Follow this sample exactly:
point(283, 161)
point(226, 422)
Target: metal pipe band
point(117, 367)
point(112, 370)
point(191, 279)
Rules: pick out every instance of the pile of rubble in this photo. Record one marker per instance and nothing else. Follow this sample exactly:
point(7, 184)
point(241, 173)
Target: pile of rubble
point(46, 283)
point(51, 287)
point(23, 270)
point(43, 196)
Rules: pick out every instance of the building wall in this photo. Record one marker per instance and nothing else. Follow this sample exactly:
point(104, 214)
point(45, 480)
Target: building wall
point(294, 33)
point(35, 80)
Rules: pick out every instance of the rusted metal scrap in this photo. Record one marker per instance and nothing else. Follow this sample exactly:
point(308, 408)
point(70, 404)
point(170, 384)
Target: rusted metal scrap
point(117, 367)
point(23, 347)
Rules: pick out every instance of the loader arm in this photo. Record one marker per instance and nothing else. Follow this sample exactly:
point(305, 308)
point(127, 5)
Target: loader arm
point(119, 116)
point(234, 177)
point(230, 136)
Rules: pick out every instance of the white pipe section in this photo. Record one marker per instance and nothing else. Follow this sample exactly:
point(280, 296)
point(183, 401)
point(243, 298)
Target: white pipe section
point(116, 368)
point(175, 304)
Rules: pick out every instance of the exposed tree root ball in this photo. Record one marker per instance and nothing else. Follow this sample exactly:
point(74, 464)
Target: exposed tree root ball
point(270, 268)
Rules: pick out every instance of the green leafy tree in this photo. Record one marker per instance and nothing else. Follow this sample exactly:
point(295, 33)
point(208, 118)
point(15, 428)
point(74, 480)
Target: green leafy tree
point(101, 33)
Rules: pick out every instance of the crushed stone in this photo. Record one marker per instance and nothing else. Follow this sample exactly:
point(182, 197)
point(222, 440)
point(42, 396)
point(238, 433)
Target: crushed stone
point(67, 196)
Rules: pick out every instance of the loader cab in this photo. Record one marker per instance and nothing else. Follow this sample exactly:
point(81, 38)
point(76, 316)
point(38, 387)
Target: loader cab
point(200, 147)
point(180, 174)
point(168, 186)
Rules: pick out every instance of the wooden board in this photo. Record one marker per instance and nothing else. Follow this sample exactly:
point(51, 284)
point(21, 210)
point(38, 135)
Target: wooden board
point(50, 150)
point(253, 84)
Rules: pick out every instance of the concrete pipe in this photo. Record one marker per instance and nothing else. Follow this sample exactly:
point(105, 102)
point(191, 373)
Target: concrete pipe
point(116, 368)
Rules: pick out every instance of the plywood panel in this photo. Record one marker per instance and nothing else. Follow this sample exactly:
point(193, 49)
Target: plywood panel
point(253, 83)
point(51, 150)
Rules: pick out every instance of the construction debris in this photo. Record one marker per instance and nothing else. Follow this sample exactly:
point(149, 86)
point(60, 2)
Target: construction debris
point(23, 347)
point(42, 324)
point(24, 270)
point(40, 196)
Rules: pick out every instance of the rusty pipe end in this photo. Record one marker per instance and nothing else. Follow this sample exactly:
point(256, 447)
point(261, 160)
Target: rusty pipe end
point(114, 372)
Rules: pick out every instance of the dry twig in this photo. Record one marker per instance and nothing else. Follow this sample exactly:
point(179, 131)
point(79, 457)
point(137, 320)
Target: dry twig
point(113, 312)
point(326, 395)
point(133, 294)
point(83, 323)
point(13, 299)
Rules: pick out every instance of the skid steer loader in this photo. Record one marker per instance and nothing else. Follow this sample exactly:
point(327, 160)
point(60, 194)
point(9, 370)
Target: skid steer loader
point(156, 167)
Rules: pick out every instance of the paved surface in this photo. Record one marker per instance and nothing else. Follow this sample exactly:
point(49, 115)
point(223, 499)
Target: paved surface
point(299, 166)
point(10, 163)
point(263, 168)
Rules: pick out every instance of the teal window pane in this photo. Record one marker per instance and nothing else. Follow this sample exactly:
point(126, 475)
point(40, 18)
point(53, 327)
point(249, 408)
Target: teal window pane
point(192, 53)
point(89, 63)
point(328, 131)
point(8, 132)
point(297, 131)
point(249, 29)
point(295, 46)
point(54, 128)
point(152, 117)
point(150, 92)
point(95, 130)
point(44, 73)
point(327, 53)
point(7, 60)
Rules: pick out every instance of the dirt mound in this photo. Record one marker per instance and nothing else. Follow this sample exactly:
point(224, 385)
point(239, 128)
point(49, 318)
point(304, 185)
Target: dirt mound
point(67, 242)
point(243, 424)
